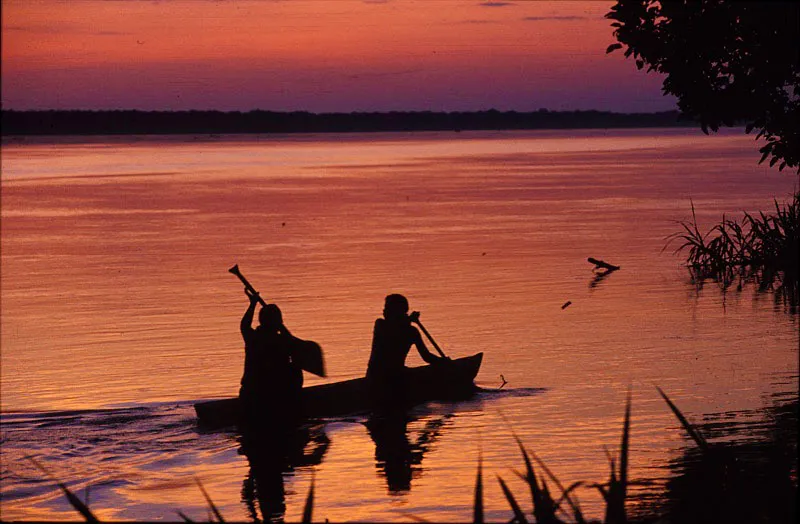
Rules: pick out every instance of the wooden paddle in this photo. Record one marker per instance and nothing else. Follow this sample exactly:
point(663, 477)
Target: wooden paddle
point(250, 288)
point(417, 322)
point(306, 353)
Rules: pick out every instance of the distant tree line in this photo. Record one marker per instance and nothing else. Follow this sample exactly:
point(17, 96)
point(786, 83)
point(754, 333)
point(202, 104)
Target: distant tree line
point(80, 122)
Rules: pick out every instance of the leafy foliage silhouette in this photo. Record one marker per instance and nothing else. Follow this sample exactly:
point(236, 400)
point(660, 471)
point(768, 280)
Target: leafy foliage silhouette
point(727, 63)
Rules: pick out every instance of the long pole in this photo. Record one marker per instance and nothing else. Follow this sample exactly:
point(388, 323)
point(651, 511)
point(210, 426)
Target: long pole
point(417, 322)
point(235, 271)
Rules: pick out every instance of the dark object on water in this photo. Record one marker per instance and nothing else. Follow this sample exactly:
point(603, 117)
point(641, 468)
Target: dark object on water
point(601, 264)
point(450, 380)
point(601, 270)
point(307, 354)
point(566, 304)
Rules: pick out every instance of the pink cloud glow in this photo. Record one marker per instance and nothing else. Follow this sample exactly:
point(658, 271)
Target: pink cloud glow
point(346, 55)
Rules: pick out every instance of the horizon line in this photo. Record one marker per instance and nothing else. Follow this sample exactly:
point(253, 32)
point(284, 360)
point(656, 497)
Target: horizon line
point(426, 111)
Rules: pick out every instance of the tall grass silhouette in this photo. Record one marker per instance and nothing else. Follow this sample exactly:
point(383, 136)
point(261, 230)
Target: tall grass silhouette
point(760, 248)
point(720, 459)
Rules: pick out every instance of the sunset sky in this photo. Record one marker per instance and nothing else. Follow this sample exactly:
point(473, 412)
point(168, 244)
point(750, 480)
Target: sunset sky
point(317, 55)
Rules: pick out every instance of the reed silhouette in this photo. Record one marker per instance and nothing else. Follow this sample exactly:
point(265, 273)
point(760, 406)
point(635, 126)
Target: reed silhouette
point(762, 249)
point(752, 478)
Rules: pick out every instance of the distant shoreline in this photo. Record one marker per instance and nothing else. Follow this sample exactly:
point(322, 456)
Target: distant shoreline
point(134, 122)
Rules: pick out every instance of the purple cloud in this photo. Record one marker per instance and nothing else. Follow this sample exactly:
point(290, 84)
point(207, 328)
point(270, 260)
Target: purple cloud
point(554, 17)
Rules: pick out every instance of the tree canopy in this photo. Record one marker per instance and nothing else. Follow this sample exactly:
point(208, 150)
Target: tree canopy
point(728, 63)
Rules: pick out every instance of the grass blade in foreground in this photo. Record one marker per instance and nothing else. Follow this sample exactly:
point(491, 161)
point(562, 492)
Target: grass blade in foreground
point(76, 503)
point(544, 509)
point(573, 502)
point(519, 516)
point(618, 488)
point(309, 507)
point(690, 429)
point(208, 500)
point(477, 512)
point(542, 492)
point(566, 496)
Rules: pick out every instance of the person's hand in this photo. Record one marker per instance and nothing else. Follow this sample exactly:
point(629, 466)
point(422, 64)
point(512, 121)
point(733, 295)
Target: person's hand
point(253, 296)
point(414, 316)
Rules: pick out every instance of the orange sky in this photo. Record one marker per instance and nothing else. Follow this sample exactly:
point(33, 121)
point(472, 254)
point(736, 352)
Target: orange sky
point(317, 55)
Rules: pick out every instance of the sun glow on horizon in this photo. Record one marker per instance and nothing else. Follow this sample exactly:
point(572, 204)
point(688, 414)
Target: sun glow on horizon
point(316, 55)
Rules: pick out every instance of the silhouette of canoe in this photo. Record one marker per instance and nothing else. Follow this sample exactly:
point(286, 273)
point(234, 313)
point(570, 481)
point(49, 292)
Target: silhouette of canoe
point(452, 380)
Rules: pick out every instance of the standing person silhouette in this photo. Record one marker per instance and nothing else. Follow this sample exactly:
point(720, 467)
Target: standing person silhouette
point(392, 339)
point(271, 382)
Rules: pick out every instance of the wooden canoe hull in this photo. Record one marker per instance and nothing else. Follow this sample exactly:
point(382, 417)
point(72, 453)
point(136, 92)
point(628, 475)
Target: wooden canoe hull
point(450, 381)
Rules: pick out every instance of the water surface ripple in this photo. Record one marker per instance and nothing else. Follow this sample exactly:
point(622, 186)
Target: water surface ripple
point(118, 313)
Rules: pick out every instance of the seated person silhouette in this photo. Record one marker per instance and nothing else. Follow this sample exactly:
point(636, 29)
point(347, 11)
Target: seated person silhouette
point(392, 339)
point(271, 383)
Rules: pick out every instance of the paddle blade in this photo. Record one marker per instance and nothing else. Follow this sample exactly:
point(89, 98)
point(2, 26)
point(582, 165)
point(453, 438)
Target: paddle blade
point(308, 355)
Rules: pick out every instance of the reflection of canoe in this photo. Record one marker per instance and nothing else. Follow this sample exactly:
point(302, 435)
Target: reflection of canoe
point(451, 380)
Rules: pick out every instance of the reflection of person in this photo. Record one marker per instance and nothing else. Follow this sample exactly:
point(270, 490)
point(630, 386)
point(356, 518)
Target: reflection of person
point(264, 484)
point(269, 460)
point(271, 383)
point(393, 452)
point(392, 339)
point(396, 456)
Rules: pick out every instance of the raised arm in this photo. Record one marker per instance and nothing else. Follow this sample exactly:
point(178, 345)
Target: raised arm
point(246, 326)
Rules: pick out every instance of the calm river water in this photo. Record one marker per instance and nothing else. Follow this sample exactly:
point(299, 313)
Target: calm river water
point(118, 311)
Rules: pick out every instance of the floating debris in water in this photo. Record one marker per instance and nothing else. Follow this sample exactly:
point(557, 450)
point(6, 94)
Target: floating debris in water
point(602, 264)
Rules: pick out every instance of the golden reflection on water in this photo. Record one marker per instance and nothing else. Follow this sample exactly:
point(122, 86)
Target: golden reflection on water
point(115, 291)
